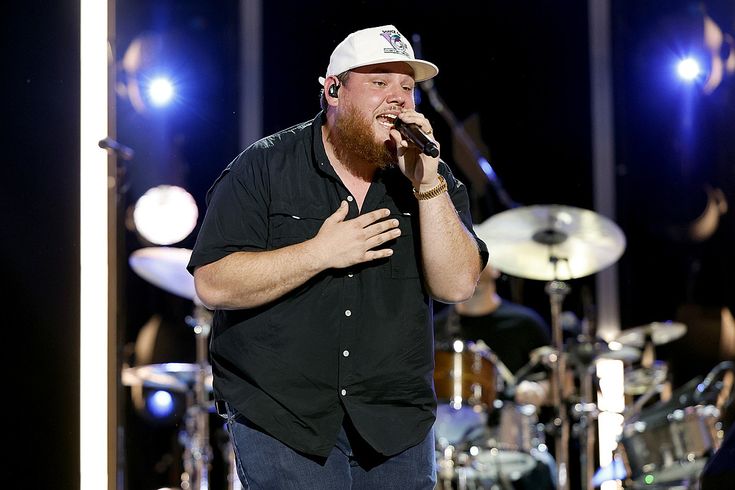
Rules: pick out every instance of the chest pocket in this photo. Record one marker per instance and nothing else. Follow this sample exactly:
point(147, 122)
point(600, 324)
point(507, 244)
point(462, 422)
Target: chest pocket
point(288, 225)
point(404, 263)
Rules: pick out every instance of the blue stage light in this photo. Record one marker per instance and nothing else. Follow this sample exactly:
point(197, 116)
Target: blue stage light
point(160, 91)
point(160, 404)
point(688, 69)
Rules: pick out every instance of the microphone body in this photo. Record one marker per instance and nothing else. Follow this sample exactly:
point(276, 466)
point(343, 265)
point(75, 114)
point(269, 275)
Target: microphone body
point(414, 134)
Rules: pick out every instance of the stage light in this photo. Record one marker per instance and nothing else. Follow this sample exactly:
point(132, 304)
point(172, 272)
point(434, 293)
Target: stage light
point(688, 69)
point(153, 72)
point(161, 91)
point(165, 215)
point(160, 404)
point(157, 406)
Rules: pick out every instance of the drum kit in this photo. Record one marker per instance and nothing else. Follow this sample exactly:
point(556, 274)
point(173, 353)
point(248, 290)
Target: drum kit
point(165, 267)
point(484, 440)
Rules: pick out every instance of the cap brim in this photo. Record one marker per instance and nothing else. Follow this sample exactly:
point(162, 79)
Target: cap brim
point(422, 70)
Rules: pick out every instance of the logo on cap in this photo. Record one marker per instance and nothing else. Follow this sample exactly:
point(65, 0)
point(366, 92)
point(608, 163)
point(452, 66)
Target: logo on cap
point(394, 38)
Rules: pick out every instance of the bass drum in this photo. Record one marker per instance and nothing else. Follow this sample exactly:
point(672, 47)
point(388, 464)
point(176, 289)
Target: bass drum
point(465, 385)
point(510, 454)
point(514, 445)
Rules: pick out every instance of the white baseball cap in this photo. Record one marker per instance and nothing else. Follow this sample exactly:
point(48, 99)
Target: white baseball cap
point(376, 45)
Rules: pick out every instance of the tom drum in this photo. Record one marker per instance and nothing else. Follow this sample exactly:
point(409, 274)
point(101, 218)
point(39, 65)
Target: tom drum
point(465, 384)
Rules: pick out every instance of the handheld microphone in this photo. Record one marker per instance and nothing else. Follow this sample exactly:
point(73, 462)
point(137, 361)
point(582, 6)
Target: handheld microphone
point(413, 133)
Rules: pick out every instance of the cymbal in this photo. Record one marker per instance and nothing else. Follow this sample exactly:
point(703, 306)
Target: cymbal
point(623, 353)
point(638, 381)
point(551, 242)
point(175, 376)
point(587, 352)
point(165, 267)
point(659, 333)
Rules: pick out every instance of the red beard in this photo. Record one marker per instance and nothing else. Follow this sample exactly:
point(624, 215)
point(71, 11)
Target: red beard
point(356, 147)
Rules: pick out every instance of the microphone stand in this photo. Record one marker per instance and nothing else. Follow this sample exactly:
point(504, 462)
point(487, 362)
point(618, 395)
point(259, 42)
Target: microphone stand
point(459, 132)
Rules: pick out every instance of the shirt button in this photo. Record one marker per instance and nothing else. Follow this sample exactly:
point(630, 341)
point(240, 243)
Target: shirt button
point(344, 392)
point(346, 353)
point(350, 198)
point(348, 313)
point(350, 275)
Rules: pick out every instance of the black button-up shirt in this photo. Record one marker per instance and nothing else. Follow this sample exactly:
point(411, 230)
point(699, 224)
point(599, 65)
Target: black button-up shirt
point(356, 340)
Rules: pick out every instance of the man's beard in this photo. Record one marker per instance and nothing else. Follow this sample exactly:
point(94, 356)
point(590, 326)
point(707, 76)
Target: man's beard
point(355, 145)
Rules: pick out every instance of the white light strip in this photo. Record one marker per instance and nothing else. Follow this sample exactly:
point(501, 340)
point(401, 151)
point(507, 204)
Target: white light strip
point(611, 403)
point(93, 247)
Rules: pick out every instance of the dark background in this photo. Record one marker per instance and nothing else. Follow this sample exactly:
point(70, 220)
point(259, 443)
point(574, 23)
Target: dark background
point(520, 68)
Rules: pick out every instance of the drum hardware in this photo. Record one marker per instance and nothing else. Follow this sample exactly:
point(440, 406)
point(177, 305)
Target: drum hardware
point(553, 243)
point(710, 382)
point(509, 449)
point(585, 411)
point(507, 452)
point(196, 383)
point(651, 378)
point(165, 267)
point(557, 290)
point(465, 374)
point(670, 446)
point(465, 385)
point(506, 376)
point(644, 383)
point(172, 376)
point(586, 351)
point(669, 443)
point(656, 333)
point(482, 442)
point(198, 451)
point(233, 480)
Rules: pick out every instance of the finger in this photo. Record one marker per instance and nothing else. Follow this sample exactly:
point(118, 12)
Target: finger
point(339, 214)
point(371, 217)
point(381, 238)
point(381, 227)
point(411, 117)
point(396, 136)
point(378, 254)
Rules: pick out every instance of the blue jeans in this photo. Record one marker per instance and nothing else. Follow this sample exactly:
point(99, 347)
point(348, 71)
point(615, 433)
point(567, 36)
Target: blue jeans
point(264, 463)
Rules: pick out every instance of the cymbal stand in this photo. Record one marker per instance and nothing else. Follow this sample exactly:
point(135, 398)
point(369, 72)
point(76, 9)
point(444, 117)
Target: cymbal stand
point(198, 452)
point(557, 290)
point(585, 413)
point(226, 449)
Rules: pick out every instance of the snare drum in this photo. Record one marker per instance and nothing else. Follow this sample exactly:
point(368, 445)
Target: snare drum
point(464, 380)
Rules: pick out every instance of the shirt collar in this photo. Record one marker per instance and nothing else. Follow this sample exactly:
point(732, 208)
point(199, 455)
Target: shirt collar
point(321, 160)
